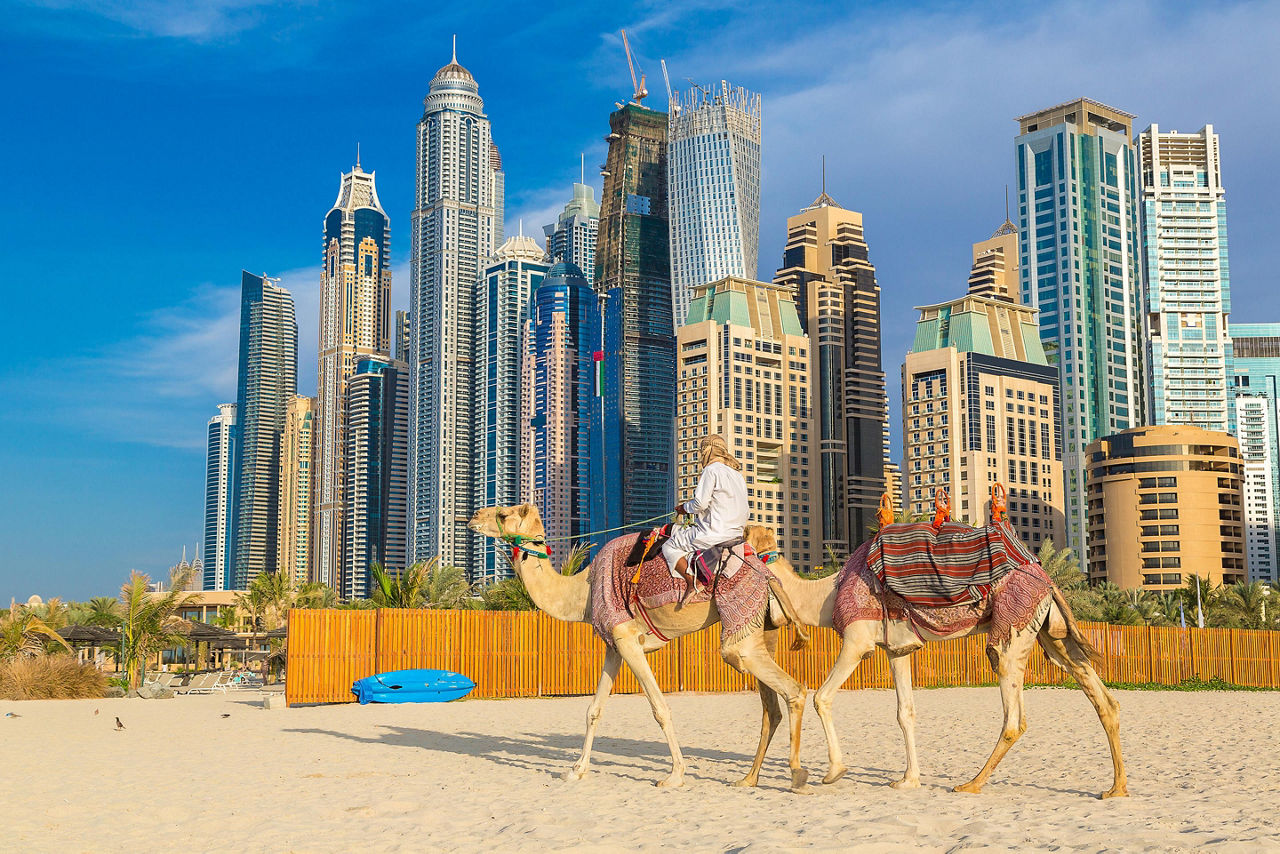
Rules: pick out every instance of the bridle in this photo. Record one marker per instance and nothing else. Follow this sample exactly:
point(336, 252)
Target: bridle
point(517, 543)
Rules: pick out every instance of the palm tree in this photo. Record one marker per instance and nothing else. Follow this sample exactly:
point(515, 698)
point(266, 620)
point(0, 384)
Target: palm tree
point(1146, 607)
point(316, 594)
point(405, 590)
point(22, 633)
point(1061, 566)
point(1171, 611)
point(1246, 599)
point(103, 611)
point(149, 621)
point(444, 587)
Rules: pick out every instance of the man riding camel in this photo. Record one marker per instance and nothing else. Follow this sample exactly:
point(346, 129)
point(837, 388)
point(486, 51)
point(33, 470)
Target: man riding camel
point(719, 509)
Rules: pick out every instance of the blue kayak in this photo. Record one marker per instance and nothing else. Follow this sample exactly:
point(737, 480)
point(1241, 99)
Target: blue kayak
point(412, 686)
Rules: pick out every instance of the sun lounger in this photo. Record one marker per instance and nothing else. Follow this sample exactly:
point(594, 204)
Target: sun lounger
point(202, 684)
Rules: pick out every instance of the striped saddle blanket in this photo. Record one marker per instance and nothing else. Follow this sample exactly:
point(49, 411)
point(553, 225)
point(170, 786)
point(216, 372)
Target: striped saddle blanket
point(953, 564)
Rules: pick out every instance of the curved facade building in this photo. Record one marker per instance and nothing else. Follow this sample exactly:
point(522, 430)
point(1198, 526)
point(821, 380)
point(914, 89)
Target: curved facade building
point(1165, 503)
point(457, 224)
point(560, 342)
point(355, 323)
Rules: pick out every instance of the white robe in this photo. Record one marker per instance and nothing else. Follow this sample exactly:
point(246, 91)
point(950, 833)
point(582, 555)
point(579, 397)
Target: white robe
point(720, 510)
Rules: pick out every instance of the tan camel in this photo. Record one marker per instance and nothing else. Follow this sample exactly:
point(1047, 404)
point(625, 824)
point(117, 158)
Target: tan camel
point(1058, 635)
point(568, 598)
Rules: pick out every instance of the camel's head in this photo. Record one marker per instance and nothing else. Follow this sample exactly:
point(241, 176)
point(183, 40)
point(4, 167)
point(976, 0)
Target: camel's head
point(760, 538)
point(499, 522)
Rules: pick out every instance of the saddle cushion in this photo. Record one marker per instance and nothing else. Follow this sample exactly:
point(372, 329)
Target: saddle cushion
point(740, 598)
point(951, 565)
point(1019, 598)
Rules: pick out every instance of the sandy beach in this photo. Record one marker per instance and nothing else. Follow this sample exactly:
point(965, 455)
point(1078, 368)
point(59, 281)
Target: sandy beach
point(485, 774)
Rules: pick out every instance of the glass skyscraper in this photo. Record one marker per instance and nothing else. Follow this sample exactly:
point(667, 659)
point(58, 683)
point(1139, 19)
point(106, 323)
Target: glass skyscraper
point(1079, 203)
point(267, 380)
point(219, 470)
point(561, 337)
point(1187, 278)
point(502, 306)
point(457, 224)
point(636, 449)
point(355, 322)
point(714, 189)
point(1256, 388)
point(376, 457)
point(572, 237)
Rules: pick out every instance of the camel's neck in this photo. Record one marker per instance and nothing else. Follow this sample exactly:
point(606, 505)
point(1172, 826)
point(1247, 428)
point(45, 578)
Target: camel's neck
point(814, 599)
point(564, 597)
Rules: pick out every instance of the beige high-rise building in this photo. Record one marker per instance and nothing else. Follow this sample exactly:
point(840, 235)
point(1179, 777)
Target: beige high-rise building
point(355, 323)
point(979, 407)
point(1165, 503)
point(744, 372)
point(826, 266)
point(995, 265)
point(295, 487)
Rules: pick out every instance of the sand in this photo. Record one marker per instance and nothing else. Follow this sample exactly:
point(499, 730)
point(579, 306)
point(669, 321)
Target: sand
point(485, 774)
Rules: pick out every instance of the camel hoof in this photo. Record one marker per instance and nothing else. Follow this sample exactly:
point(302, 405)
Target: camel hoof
point(968, 788)
point(575, 773)
point(747, 782)
point(675, 781)
point(1115, 792)
point(905, 783)
point(834, 774)
point(799, 781)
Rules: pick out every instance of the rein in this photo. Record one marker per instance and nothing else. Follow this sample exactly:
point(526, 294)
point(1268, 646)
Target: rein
point(517, 541)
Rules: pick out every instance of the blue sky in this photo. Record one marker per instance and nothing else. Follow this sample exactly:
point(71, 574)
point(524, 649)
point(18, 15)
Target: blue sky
point(155, 149)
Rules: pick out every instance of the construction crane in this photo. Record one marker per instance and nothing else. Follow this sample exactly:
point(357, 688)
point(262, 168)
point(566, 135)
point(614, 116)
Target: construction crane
point(640, 91)
point(666, 78)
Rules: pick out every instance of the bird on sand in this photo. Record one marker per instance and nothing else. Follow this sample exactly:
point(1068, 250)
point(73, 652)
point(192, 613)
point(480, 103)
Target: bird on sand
point(226, 714)
point(12, 715)
point(119, 724)
point(95, 711)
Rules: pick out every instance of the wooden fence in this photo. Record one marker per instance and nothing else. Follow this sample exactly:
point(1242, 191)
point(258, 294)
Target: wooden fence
point(528, 654)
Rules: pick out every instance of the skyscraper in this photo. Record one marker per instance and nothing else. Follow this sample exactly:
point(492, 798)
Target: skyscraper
point(502, 305)
point(827, 266)
point(355, 321)
point(745, 374)
point(296, 458)
point(219, 471)
point(572, 237)
point(633, 272)
point(1256, 384)
point(995, 265)
point(1080, 246)
point(377, 469)
point(560, 339)
point(266, 381)
point(457, 224)
point(979, 406)
point(401, 332)
point(1188, 287)
point(713, 182)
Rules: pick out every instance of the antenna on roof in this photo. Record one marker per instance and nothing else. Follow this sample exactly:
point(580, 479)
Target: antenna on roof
point(824, 174)
point(640, 91)
point(358, 158)
point(582, 167)
point(1006, 203)
point(522, 226)
point(455, 49)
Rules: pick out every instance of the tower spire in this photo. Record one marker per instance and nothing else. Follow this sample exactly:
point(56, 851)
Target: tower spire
point(824, 174)
point(357, 156)
point(455, 49)
point(582, 167)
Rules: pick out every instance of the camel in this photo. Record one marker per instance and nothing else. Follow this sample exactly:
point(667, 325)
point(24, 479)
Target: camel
point(1057, 633)
point(569, 598)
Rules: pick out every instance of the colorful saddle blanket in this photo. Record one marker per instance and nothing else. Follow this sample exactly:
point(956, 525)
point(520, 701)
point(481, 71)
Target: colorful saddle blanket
point(953, 564)
point(1012, 603)
point(741, 596)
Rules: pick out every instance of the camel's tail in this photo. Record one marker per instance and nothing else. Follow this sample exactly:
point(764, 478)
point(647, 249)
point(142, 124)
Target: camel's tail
point(1073, 628)
point(789, 611)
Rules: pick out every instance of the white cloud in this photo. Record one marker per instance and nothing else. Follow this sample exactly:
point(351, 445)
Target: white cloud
point(192, 20)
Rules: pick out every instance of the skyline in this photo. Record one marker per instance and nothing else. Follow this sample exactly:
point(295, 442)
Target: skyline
point(106, 433)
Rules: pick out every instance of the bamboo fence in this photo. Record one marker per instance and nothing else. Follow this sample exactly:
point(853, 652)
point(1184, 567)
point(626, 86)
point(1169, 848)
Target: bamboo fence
point(528, 654)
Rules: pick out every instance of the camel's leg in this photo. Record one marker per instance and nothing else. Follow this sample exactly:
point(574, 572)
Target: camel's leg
point(1066, 654)
point(770, 718)
point(900, 664)
point(632, 653)
point(752, 656)
point(608, 673)
point(857, 644)
point(1010, 664)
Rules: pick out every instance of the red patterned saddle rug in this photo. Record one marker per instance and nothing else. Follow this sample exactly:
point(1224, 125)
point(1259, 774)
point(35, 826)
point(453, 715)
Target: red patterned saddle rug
point(952, 564)
point(1012, 603)
point(741, 597)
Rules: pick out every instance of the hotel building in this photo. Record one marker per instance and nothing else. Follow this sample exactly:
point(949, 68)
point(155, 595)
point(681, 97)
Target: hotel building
point(296, 469)
point(1256, 369)
point(219, 470)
